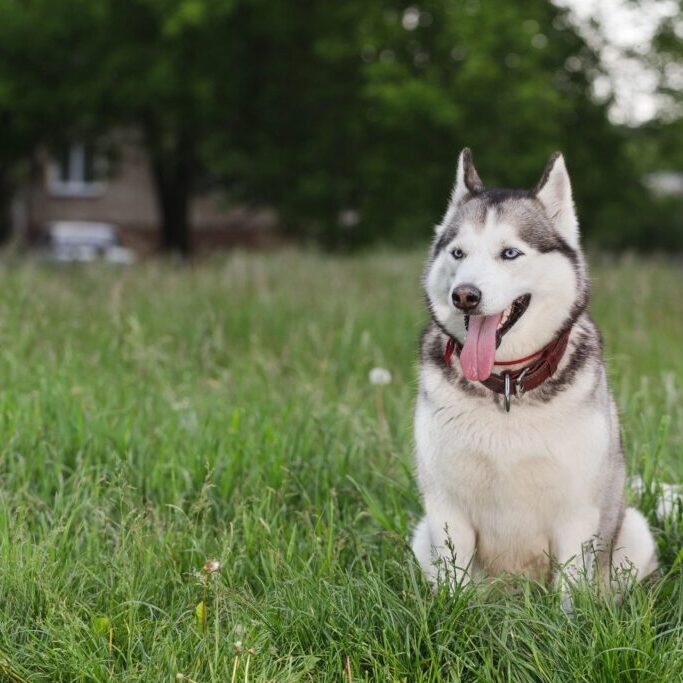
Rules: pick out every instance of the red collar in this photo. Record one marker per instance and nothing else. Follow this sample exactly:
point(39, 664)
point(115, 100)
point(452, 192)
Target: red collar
point(516, 382)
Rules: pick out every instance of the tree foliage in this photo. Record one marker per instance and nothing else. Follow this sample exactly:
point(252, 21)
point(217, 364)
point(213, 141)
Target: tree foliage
point(368, 113)
point(154, 65)
point(345, 116)
point(39, 69)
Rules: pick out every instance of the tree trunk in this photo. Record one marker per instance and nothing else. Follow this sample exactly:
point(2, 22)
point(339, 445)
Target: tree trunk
point(6, 194)
point(172, 173)
point(173, 196)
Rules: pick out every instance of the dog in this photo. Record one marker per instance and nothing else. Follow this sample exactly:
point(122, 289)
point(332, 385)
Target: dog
point(519, 458)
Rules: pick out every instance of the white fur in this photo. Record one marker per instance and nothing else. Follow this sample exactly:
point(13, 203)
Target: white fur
point(549, 278)
point(515, 492)
point(519, 484)
point(635, 548)
point(526, 491)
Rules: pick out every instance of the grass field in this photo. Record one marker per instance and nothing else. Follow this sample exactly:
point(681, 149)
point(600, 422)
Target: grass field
point(158, 417)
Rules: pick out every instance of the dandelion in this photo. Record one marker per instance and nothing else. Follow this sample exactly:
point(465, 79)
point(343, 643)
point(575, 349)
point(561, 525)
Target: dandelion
point(209, 571)
point(212, 566)
point(380, 376)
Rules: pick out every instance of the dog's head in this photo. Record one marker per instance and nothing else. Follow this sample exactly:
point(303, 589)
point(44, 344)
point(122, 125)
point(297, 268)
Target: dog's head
point(506, 273)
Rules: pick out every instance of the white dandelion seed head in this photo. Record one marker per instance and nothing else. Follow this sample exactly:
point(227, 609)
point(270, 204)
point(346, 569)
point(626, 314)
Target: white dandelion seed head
point(212, 566)
point(380, 376)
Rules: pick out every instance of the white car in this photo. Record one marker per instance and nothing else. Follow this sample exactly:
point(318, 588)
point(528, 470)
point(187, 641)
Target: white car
point(84, 241)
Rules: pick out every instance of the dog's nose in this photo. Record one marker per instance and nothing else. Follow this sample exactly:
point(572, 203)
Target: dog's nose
point(466, 297)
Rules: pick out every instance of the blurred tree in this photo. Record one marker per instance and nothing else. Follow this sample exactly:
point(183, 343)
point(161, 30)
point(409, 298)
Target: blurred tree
point(345, 116)
point(81, 67)
point(163, 67)
point(37, 104)
point(351, 114)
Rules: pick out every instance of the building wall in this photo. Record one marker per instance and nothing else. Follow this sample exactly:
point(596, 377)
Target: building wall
point(127, 200)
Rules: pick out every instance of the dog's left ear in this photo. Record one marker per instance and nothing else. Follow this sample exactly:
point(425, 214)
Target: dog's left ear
point(554, 191)
point(467, 182)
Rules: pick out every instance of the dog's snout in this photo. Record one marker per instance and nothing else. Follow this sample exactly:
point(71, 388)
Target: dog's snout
point(466, 297)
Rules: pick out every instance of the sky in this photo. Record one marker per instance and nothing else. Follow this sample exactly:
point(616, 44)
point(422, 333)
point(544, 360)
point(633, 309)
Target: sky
point(626, 26)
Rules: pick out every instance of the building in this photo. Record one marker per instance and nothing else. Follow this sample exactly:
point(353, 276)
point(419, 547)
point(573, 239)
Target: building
point(78, 186)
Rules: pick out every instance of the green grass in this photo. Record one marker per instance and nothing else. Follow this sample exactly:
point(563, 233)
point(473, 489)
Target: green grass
point(158, 417)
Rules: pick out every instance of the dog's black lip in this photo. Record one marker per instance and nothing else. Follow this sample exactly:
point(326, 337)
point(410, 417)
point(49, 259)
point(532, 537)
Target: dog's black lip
point(519, 306)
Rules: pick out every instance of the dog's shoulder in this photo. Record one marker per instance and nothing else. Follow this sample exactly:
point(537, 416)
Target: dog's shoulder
point(583, 357)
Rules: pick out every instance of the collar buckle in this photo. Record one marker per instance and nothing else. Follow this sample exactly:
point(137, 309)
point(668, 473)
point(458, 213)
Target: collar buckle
point(519, 387)
point(507, 391)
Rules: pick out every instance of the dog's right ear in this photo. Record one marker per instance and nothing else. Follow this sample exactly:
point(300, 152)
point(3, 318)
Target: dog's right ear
point(467, 182)
point(554, 191)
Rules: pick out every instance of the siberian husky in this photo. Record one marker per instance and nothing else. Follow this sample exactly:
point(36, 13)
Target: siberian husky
point(519, 457)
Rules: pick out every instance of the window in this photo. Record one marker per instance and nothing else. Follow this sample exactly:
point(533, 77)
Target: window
point(76, 171)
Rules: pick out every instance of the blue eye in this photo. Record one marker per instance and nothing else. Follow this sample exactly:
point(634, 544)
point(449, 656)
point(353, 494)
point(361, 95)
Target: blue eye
point(510, 253)
point(457, 254)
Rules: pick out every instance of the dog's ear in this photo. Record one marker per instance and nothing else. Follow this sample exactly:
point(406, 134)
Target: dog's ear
point(467, 182)
point(554, 191)
point(467, 179)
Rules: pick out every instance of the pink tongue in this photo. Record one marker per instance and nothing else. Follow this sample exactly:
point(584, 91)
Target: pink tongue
point(479, 349)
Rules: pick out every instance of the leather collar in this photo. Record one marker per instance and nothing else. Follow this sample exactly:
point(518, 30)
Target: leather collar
point(516, 382)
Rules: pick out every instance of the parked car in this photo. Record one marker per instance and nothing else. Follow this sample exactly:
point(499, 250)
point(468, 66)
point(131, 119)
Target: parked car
point(84, 241)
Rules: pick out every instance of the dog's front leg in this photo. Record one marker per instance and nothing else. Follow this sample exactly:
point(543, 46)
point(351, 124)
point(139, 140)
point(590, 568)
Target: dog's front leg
point(452, 543)
point(573, 550)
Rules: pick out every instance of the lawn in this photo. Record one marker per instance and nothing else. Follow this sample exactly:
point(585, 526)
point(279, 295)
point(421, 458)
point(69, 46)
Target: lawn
point(158, 417)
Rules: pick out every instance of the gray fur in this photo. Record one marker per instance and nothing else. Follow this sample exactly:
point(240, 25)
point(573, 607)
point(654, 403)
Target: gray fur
point(543, 220)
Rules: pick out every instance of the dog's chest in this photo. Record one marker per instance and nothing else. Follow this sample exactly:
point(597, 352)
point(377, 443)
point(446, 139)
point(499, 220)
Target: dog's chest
point(513, 474)
point(511, 482)
point(535, 449)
